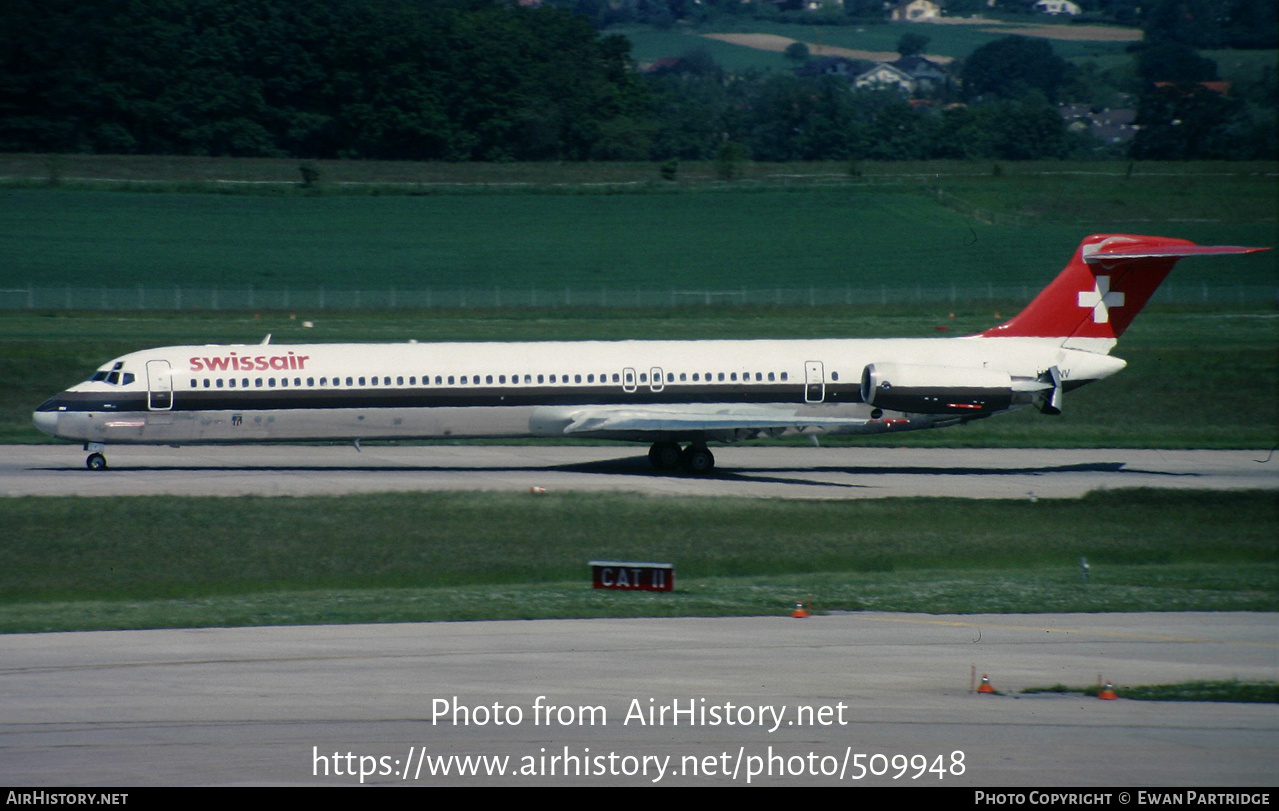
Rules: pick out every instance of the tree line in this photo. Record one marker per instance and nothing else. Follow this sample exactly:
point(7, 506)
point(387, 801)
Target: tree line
point(489, 80)
point(430, 80)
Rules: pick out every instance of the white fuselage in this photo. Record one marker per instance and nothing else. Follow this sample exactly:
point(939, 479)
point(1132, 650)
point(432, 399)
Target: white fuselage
point(636, 390)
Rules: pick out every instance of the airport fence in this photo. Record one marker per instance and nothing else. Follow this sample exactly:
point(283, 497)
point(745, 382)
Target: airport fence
point(248, 298)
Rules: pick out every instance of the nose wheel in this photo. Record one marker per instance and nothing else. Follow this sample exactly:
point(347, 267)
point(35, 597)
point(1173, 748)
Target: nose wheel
point(96, 461)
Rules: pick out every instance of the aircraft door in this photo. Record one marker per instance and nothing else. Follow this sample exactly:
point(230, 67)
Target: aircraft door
point(656, 380)
point(159, 386)
point(814, 382)
point(628, 380)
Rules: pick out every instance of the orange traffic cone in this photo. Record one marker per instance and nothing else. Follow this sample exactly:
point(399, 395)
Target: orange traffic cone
point(985, 685)
point(1108, 692)
point(800, 612)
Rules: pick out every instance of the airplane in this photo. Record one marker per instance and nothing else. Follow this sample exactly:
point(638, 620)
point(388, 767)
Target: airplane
point(676, 395)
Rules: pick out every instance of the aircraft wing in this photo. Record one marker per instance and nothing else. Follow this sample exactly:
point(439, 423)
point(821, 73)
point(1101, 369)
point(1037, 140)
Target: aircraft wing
point(691, 420)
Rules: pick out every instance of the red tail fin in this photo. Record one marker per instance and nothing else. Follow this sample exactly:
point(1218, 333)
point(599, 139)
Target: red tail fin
point(1108, 281)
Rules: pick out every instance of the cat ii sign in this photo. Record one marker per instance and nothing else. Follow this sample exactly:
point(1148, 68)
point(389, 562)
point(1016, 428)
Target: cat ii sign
point(627, 576)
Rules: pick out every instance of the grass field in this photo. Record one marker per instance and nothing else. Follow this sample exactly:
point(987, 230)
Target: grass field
point(955, 41)
point(956, 224)
point(158, 562)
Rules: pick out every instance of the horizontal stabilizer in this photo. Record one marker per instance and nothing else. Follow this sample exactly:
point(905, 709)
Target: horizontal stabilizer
point(1108, 252)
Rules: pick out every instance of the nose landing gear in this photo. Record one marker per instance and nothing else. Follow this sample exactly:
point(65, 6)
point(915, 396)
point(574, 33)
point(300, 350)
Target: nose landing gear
point(96, 460)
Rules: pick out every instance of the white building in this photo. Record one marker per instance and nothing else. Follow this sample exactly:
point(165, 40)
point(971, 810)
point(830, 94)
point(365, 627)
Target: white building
point(1057, 7)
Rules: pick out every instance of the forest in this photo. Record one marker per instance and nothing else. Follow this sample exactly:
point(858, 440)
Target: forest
point(490, 80)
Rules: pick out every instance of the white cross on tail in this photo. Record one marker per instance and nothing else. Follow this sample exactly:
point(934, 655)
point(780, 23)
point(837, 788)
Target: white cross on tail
point(1100, 299)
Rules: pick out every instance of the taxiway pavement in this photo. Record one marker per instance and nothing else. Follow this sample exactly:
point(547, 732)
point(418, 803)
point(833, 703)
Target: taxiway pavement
point(796, 472)
point(798, 698)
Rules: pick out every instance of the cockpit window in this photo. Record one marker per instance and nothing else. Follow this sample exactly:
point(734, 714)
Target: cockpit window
point(113, 376)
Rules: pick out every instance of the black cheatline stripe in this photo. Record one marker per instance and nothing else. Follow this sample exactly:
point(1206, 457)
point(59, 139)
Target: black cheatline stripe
point(281, 399)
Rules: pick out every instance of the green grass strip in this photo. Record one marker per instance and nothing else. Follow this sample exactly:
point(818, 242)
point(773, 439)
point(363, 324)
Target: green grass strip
point(1229, 690)
point(74, 563)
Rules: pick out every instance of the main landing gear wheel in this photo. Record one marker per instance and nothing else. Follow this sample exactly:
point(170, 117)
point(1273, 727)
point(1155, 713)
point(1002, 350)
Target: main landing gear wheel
point(697, 459)
point(96, 461)
point(664, 455)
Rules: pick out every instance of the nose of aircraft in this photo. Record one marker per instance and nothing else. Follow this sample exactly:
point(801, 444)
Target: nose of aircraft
point(46, 421)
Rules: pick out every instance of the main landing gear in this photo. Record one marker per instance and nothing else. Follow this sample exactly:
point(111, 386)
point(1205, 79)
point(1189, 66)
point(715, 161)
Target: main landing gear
point(696, 458)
